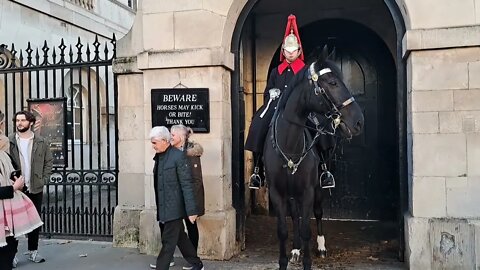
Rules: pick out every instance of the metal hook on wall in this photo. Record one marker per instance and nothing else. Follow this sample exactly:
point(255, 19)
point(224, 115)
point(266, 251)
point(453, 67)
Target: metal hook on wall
point(180, 85)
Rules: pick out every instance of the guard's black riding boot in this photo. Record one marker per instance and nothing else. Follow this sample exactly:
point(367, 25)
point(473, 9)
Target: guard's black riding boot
point(326, 177)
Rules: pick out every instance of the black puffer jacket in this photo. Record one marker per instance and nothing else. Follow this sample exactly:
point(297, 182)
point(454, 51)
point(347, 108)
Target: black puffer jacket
point(173, 184)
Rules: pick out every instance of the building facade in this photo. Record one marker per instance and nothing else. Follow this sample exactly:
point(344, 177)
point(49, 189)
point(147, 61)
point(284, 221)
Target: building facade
point(413, 66)
point(423, 60)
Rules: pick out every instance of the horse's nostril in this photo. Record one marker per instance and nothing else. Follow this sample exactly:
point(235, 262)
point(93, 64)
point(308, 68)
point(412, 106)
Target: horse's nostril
point(359, 125)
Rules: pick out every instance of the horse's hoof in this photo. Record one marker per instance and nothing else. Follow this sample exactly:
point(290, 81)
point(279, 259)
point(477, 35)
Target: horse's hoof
point(295, 256)
point(321, 253)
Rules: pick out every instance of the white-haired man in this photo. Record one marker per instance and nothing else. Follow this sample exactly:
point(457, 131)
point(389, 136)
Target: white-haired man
point(175, 199)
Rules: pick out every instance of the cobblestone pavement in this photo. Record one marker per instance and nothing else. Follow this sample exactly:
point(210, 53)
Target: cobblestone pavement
point(351, 245)
point(85, 255)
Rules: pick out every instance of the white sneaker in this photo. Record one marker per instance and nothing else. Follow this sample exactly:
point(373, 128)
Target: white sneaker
point(154, 266)
point(35, 257)
point(15, 262)
point(187, 267)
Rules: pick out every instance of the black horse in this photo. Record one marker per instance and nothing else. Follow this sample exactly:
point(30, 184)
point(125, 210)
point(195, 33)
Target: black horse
point(290, 164)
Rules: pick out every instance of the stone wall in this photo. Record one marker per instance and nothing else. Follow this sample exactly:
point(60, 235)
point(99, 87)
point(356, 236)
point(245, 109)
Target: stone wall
point(444, 135)
point(39, 20)
point(172, 43)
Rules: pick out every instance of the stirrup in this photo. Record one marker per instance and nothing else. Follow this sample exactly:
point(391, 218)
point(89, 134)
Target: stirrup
point(327, 175)
point(255, 178)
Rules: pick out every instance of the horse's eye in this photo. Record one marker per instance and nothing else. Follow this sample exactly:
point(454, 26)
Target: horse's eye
point(332, 82)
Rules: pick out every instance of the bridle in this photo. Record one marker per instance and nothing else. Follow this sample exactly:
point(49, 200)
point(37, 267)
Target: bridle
point(334, 113)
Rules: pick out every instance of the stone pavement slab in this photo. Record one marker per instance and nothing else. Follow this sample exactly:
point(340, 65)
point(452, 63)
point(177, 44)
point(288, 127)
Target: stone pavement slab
point(86, 255)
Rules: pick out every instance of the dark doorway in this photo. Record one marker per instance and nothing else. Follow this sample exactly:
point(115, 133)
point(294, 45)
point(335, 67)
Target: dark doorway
point(365, 167)
point(368, 169)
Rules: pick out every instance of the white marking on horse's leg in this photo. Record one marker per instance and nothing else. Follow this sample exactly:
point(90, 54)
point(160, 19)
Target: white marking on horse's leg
point(322, 250)
point(321, 242)
point(295, 258)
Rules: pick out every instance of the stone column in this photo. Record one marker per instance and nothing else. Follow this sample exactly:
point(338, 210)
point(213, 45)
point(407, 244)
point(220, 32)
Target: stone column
point(444, 138)
point(175, 43)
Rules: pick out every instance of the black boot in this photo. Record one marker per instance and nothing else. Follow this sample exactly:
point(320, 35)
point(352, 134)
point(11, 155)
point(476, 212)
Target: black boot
point(326, 178)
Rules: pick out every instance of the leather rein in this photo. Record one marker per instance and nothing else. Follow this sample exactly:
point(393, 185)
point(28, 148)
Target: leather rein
point(334, 115)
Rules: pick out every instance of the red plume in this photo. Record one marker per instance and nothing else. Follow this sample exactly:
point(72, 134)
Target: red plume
point(292, 26)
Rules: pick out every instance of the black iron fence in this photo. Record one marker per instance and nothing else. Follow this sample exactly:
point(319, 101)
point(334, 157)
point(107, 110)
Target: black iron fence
point(73, 91)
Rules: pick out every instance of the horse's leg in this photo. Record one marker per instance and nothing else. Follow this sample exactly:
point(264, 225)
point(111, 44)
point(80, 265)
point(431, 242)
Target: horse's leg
point(305, 231)
point(294, 212)
point(321, 250)
point(280, 206)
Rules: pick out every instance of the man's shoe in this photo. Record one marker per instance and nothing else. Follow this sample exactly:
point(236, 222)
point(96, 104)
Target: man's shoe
point(187, 267)
point(154, 266)
point(198, 267)
point(35, 257)
point(14, 262)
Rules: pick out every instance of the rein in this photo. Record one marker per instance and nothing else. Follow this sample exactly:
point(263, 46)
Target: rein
point(290, 163)
point(334, 114)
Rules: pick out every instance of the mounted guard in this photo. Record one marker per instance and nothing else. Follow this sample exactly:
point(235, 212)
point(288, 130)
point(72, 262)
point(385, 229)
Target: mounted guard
point(279, 80)
point(282, 77)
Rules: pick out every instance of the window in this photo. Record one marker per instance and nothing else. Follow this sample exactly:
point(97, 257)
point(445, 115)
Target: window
point(74, 113)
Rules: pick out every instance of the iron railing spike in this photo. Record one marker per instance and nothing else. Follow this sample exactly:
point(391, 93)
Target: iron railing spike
point(70, 54)
point(105, 50)
point(54, 56)
point(79, 47)
point(29, 55)
point(45, 50)
point(62, 48)
point(88, 52)
point(37, 57)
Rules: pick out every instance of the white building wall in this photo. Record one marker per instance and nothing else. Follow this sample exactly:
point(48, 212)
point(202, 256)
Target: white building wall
point(23, 21)
point(442, 52)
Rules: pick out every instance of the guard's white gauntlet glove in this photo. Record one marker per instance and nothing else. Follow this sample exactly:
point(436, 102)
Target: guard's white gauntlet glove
point(274, 94)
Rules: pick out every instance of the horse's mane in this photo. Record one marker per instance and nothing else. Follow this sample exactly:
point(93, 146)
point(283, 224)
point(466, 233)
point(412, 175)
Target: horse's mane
point(298, 79)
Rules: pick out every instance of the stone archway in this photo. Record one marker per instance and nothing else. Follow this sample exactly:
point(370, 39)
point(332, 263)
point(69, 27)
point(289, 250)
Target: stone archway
point(395, 34)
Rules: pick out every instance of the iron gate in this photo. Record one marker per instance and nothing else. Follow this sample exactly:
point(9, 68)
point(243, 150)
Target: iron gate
point(80, 198)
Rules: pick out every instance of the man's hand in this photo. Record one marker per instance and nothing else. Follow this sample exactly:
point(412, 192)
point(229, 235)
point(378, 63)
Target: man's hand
point(192, 218)
point(19, 183)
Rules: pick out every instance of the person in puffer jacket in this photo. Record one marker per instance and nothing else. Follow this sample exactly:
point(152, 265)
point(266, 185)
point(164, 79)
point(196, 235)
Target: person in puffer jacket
point(180, 140)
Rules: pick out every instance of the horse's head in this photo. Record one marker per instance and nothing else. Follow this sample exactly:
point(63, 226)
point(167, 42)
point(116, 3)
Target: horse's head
point(342, 110)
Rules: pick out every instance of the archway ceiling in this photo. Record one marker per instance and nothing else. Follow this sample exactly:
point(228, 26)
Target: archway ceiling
point(312, 7)
point(373, 14)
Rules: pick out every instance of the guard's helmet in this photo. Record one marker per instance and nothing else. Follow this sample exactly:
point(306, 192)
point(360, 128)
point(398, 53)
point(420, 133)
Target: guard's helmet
point(291, 43)
point(291, 40)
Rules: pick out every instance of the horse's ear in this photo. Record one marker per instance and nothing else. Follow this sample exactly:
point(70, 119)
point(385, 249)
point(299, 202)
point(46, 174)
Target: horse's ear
point(324, 54)
point(332, 54)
